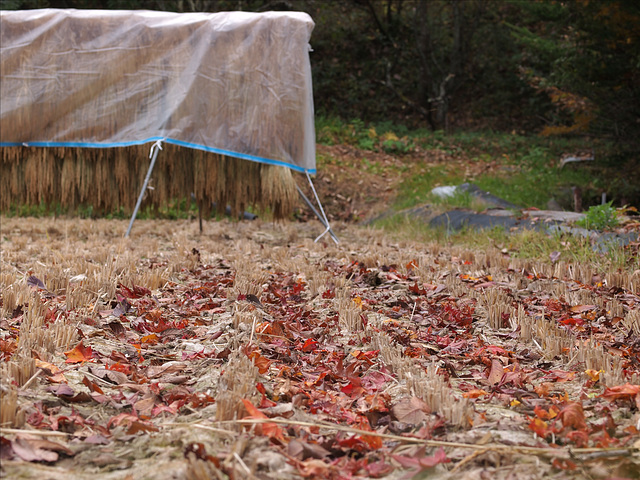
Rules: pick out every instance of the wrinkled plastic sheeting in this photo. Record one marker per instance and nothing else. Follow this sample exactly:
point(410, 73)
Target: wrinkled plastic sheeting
point(233, 83)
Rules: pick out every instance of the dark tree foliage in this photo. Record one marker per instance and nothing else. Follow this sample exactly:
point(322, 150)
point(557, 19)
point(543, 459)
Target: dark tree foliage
point(543, 65)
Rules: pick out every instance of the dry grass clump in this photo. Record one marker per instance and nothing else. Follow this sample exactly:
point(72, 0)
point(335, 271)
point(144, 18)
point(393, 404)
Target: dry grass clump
point(631, 321)
point(496, 303)
point(434, 391)
point(237, 383)
point(12, 414)
point(595, 357)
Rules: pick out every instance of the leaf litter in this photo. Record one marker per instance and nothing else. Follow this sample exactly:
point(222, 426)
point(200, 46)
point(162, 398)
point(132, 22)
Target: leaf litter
point(252, 352)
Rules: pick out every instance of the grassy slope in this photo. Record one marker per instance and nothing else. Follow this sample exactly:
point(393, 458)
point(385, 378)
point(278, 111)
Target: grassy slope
point(522, 170)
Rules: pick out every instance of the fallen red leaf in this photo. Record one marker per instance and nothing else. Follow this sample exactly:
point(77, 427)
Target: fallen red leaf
point(420, 462)
point(626, 391)
point(79, 354)
point(572, 415)
point(134, 292)
point(92, 386)
point(268, 429)
point(309, 346)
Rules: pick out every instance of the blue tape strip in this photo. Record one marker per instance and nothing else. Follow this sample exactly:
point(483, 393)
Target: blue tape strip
point(242, 156)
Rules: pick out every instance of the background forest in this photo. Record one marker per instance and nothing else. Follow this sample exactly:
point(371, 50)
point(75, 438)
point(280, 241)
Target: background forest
point(544, 66)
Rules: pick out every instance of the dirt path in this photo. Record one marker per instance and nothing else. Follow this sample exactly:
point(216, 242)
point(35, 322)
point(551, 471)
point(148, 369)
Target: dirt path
point(251, 352)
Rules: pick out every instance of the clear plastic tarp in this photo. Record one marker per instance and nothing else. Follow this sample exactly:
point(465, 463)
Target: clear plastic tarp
point(233, 83)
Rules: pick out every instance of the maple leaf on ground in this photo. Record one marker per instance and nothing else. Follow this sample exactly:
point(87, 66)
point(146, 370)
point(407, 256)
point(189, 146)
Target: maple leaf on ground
point(474, 393)
point(378, 469)
point(134, 292)
point(303, 450)
point(539, 427)
point(261, 362)
point(268, 429)
point(411, 410)
point(626, 392)
point(137, 426)
point(419, 462)
point(79, 354)
point(53, 373)
point(572, 415)
point(313, 468)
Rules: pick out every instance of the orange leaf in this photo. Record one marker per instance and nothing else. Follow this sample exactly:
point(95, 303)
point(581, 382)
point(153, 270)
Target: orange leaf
point(268, 429)
point(626, 391)
point(412, 264)
point(572, 415)
point(475, 393)
point(137, 426)
point(150, 339)
point(539, 427)
point(79, 354)
point(49, 368)
point(594, 375)
point(543, 389)
point(374, 442)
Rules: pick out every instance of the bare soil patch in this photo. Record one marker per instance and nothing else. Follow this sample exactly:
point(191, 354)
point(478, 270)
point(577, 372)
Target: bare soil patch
point(252, 352)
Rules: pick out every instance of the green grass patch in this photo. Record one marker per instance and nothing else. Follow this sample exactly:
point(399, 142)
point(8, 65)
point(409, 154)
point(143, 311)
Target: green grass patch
point(526, 244)
point(600, 217)
point(523, 170)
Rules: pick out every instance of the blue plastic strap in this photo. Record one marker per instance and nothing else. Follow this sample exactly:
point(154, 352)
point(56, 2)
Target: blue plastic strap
point(242, 156)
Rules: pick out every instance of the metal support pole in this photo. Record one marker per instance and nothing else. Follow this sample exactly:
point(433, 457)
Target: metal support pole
point(153, 154)
point(316, 213)
point(323, 218)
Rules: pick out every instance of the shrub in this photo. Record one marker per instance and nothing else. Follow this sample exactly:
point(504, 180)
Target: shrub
point(600, 217)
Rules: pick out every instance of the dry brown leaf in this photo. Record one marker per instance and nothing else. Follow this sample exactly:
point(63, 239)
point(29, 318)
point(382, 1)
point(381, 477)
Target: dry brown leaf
point(411, 410)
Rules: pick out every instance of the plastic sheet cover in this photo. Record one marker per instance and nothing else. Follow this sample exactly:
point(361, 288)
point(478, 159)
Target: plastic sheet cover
point(234, 83)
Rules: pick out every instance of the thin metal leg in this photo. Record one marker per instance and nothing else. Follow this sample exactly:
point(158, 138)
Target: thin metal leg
point(323, 218)
point(316, 213)
point(153, 154)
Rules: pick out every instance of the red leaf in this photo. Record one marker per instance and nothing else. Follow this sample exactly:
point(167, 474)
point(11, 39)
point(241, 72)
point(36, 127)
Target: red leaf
point(267, 429)
point(420, 462)
point(417, 290)
point(134, 292)
point(309, 346)
point(626, 391)
point(378, 469)
point(92, 386)
point(79, 354)
point(572, 416)
point(563, 464)
point(138, 426)
point(28, 451)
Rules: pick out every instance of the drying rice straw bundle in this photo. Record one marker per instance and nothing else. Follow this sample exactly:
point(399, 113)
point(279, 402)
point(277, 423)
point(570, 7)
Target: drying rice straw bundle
point(234, 83)
point(109, 180)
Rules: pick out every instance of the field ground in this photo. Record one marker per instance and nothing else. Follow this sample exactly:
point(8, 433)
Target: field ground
point(251, 352)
